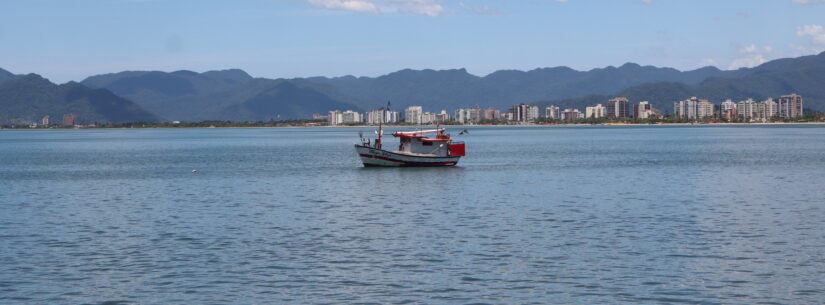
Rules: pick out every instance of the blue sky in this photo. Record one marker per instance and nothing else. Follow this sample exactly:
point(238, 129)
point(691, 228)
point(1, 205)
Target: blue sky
point(69, 40)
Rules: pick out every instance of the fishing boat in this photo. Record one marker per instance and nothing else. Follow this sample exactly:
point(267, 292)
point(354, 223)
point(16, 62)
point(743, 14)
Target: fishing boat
point(415, 148)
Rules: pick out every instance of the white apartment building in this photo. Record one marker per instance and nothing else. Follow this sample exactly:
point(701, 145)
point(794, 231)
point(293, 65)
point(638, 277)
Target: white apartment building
point(693, 108)
point(552, 112)
point(747, 109)
point(532, 114)
point(337, 117)
point(412, 114)
point(770, 108)
point(643, 110)
point(595, 112)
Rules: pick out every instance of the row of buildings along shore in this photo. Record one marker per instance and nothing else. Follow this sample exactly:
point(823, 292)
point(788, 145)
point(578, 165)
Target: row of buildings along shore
point(619, 108)
point(69, 120)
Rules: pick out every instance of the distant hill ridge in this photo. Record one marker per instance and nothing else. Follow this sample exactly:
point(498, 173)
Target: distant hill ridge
point(6, 75)
point(235, 95)
point(186, 95)
point(29, 97)
point(218, 95)
point(803, 75)
point(451, 89)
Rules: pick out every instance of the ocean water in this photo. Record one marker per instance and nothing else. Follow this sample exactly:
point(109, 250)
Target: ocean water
point(580, 215)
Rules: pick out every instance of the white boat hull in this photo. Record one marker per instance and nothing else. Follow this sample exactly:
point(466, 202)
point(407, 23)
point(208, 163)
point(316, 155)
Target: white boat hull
point(379, 157)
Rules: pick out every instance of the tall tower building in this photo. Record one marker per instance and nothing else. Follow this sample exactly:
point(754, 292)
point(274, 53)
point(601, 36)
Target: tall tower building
point(69, 119)
point(552, 112)
point(617, 108)
point(790, 106)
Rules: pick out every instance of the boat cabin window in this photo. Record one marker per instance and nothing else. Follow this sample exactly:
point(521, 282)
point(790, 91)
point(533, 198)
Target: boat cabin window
point(427, 143)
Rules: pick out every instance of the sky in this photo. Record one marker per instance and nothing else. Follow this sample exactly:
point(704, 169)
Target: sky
point(70, 40)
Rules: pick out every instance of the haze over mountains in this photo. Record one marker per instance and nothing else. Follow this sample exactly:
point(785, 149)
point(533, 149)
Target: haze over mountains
point(237, 96)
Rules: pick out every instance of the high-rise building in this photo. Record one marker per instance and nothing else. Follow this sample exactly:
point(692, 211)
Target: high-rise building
point(381, 116)
point(617, 108)
point(508, 116)
point(595, 112)
point(334, 117)
point(552, 112)
point(704, 109)
point(475, 115)
point(790, 106)
point(442, 117)
point(747, 110)
point(350, 116)
point(532, 114)
point(470, 115)
point(428, 118)
point(375, 117)
point(643, 110)
point(491, 114)
point(46, 121)
point(727, 105)
point(693, 108)
point(571, 114)
point(69, 119)
point(391, 116)
point(770, 108)
point(521, 112)
point(728, 110)
point(413, 114)
point(461, 116)
point(337, 117)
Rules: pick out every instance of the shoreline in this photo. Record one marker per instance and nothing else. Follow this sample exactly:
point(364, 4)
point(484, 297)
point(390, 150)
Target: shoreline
point(443, 126)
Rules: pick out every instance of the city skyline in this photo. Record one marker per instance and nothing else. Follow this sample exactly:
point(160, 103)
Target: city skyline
point(301, 38)
point(787, 106)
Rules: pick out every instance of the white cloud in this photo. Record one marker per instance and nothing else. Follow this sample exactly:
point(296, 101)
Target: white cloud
point(482, 9)
point(808, 1)
point(647, 1)
point(420, 7)
point(750, 55)
point(815, 31)
point(708, 62)
point(346, 5)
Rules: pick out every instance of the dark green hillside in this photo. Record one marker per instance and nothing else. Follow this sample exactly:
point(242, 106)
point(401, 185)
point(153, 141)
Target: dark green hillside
point(803, 75)
point(28, 98)
point(279, 102)
point(191, 96)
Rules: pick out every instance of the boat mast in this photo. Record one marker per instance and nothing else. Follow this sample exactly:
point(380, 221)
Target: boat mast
point(380, 129)
point(381, 124)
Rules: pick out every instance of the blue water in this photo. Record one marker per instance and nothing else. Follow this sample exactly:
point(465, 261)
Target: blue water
point(584, 215)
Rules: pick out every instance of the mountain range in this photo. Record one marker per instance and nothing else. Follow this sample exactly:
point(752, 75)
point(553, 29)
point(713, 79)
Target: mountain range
point(218, 95)
point(235, 95)
point(28, 98)
point(186, 95)
point(6, 75)
point(451, 89)
point(803, 75)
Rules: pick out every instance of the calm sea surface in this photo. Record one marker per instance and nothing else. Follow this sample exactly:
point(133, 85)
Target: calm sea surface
point(585, 215)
